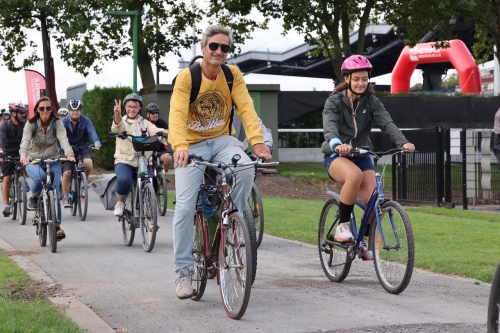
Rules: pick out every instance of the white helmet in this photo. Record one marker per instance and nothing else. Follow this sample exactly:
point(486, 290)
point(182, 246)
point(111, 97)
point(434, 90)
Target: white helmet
point(62, 112)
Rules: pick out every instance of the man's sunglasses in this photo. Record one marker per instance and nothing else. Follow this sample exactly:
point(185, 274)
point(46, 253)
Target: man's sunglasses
point(45, 108)
point(154, 112)
point(214, 46)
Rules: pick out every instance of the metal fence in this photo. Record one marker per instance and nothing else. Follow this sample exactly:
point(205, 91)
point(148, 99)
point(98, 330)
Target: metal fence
point(451, 167)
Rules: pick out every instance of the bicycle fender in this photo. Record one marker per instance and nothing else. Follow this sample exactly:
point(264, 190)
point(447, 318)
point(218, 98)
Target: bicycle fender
point(333, 194)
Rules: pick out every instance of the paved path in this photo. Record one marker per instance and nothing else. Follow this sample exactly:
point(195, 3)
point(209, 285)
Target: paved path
point(133, 291)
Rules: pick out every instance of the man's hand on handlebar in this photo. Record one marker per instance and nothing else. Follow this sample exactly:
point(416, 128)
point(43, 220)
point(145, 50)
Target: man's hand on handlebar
point(261, 150)
point(181, 158)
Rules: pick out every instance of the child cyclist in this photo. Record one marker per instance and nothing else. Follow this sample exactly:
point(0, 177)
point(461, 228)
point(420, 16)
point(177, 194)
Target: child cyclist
point(348, 117)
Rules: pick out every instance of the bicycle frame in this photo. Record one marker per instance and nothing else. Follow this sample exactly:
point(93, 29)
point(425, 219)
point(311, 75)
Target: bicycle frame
point(371, 211)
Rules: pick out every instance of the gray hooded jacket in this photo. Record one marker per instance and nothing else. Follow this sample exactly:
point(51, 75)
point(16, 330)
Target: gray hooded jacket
point(353, 127)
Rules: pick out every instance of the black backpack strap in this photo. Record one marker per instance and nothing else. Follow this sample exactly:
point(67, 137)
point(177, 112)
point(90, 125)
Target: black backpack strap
point(195, 70)
point(229, 78)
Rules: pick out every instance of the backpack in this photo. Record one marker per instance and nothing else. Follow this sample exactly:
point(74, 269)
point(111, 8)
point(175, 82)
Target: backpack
point(105, 187)
point(54, 131)
point(195, 70)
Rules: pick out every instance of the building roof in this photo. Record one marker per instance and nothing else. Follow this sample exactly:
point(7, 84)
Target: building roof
point(382, 47)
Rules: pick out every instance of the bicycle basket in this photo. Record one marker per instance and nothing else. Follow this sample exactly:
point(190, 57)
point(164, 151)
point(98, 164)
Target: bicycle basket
point(151, 143)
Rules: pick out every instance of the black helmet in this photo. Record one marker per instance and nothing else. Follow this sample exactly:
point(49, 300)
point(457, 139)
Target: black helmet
point(75, 104)
point(16, 107)
point(132, 97)
point(152, 107)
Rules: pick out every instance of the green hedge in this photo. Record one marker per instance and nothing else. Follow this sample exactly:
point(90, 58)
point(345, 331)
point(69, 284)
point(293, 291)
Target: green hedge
point(98, 106)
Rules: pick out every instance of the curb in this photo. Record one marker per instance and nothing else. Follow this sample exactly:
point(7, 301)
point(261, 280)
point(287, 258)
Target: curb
point(69, 304)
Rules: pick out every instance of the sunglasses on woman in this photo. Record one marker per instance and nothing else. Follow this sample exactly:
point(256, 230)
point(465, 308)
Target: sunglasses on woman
point(44, 108)
point(214, 46)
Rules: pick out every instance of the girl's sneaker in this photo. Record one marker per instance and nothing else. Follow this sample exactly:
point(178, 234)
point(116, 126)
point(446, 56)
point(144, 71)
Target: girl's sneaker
point(343, 233)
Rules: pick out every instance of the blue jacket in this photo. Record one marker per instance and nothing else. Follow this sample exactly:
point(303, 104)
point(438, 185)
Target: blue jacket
point(85, 131)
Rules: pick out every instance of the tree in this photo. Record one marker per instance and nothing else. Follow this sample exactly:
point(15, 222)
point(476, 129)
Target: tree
point(87, 37)
point(46, 16)
point(452, 81)
point(435, 20)
point(327, 24)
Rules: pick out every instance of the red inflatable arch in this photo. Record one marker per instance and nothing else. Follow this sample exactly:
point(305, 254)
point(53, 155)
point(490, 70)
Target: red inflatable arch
point(457, 54)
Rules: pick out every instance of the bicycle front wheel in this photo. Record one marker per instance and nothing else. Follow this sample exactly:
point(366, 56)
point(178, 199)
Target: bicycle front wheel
point(149, 217)
point(13, 194)
point(161, 194)
point(52, 220)
point(494, 303)
point(333, 256)
point(235, 267)
point(255, 201)
point(73, 194)
point(22, 200)
point(393, 248)
point(82, 199)
point(200, 268)
point(41, 223)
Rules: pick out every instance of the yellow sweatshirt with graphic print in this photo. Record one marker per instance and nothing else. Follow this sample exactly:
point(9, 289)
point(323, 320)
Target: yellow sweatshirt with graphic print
point(208, 116)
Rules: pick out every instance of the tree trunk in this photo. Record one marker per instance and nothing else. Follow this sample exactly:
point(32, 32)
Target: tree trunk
point(46, 52)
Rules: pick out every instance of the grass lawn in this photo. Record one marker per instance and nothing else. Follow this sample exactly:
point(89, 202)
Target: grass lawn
point(22, 310)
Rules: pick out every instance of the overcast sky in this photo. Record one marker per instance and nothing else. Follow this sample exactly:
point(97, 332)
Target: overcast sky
point(119, 73)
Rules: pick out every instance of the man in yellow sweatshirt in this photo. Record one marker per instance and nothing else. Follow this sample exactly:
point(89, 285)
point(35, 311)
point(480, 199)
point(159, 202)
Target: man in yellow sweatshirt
point(202, 128)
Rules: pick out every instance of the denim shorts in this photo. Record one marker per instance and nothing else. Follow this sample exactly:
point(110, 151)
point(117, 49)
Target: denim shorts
point(363, 163)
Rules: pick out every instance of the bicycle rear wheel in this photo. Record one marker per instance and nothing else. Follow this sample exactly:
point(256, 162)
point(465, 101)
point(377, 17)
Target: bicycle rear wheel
point(73, 194)
point(255, 201)
point(247, 215)
point(52, 220)
point(393, 248)
point(200, 268)
point(161, 193)
point(494, 303)
point(22, 200)
point(235, 267)
point(83, 199)
point(333, 256)
point(128, 225)
point(149, 217)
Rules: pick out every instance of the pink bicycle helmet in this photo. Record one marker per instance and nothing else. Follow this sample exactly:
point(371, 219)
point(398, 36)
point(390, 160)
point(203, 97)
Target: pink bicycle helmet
point(355, 63)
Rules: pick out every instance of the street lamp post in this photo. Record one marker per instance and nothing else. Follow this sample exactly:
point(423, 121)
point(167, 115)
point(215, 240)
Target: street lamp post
point(135, 15)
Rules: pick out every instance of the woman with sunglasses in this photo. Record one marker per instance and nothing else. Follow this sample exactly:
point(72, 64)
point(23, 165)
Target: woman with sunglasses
point(44, 144)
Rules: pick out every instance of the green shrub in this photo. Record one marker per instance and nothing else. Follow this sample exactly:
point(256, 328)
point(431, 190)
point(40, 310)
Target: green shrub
point(99, 103)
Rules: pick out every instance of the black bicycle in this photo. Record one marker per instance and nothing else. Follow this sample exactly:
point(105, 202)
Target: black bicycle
point(140, 207)
point(78, 192)
point(17, 193)
point(45, 219)
point(160, 183)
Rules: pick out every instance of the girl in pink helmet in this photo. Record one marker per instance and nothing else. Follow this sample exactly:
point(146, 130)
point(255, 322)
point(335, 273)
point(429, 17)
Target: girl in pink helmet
point(348, 117)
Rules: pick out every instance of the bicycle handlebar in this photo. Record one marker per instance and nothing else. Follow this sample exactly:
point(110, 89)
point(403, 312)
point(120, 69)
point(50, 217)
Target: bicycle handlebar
point(123, 135)
point(48, 160)
point(194, 159)
point(362, 151)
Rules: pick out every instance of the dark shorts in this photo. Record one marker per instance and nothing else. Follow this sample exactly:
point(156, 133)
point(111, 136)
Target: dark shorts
point(363, 163)
point(66, 166)
point(8, 168)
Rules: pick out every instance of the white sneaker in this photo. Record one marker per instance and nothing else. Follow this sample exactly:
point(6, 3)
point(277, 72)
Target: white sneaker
point(184, 286)
point(343, 233)
point(119, 208)
point(367, 255)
